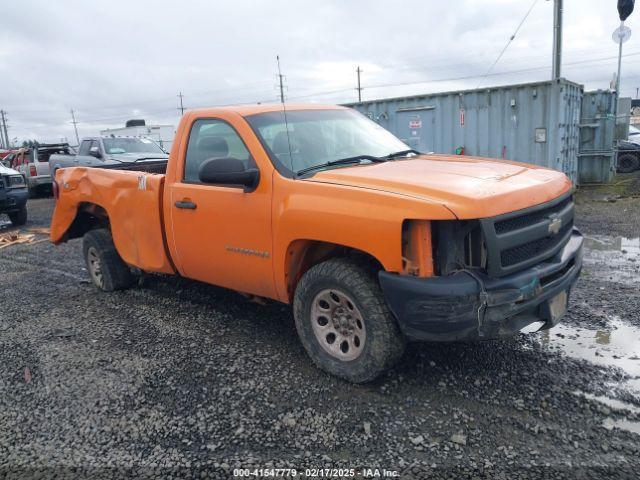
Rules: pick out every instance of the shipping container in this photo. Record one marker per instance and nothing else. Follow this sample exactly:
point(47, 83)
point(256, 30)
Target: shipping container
point(535, 123)
point(596, 157)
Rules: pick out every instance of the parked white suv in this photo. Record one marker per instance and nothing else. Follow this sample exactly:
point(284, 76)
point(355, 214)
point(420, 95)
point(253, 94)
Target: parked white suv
point(33, 165)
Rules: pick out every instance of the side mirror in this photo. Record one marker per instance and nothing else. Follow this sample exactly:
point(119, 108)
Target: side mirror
point(95, 152)
point(229, 171)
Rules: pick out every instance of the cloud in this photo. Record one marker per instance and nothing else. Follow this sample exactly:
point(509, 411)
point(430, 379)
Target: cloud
point(114, 60)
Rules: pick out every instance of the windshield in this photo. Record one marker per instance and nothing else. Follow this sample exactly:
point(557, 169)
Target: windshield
point(633, 130)
point(131, 145)
point(320, 136)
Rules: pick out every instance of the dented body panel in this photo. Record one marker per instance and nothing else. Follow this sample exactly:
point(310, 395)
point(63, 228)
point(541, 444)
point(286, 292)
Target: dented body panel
point(132, 202)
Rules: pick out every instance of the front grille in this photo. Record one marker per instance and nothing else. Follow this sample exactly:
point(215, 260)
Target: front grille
point(521, 253)
point(515, 223)
point(521, 239)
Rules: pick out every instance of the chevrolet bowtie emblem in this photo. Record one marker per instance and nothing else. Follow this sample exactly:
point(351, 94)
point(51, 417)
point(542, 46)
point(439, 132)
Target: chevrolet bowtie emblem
point(555, 225)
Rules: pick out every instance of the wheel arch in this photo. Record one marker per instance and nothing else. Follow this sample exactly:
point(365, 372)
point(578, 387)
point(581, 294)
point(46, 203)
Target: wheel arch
point(302, 254)
point(89, 216)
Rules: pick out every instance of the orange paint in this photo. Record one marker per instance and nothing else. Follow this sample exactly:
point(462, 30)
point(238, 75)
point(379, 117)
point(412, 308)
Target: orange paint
point(246, 241)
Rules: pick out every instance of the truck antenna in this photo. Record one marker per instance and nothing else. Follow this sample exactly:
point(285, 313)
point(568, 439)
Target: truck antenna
point(284, 111)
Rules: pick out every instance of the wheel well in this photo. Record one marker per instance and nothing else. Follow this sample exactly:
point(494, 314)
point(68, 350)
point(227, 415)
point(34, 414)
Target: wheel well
point(304, 254)
point(89, 216)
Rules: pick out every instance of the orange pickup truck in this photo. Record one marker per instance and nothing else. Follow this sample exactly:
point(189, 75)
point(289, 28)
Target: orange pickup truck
point(373, 244)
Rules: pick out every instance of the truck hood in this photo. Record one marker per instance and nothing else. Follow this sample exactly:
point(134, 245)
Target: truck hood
point(8, 171)
point(134, 157)
point(470, 187)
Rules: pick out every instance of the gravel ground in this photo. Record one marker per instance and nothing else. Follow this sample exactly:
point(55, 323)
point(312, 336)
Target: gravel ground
point(177, 378)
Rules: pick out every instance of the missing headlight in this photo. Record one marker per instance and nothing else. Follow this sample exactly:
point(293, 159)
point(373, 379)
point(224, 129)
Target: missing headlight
point(458, 244)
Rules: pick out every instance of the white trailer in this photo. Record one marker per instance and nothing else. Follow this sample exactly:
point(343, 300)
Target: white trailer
point(161, 134)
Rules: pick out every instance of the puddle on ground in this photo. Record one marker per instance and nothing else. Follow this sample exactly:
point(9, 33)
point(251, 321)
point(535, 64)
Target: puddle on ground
point(616, 346)
point(612, 403)
point(613, 259)
point(628, 425)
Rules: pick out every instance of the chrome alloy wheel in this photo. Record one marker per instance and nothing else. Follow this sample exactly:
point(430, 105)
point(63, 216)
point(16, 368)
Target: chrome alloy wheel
point(95, 268)
point(338, 325)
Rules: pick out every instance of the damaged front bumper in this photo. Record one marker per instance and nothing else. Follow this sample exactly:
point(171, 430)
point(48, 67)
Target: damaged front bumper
point(469, 305)
point(12, 199)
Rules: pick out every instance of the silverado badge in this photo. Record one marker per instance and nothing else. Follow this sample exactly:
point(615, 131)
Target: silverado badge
point(555, 225)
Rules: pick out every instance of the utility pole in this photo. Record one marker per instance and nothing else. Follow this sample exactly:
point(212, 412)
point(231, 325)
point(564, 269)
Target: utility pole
point(4, 128)
point(280, 80)
point(3, 143)
point(75, 125)
point(359, 71)
point(181, 107)
point(557, 39)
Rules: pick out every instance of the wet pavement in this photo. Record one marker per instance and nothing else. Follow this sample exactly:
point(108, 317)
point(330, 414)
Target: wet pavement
point(175, 374)
point(613, 259)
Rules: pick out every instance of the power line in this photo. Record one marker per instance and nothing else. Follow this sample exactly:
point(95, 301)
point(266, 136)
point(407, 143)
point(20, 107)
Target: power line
point(454, 79)
point(508, 42)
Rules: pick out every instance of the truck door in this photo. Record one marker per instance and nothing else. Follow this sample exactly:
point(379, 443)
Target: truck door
point(221, 234)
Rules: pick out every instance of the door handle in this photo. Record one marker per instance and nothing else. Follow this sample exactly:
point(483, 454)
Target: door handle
point(186, 204)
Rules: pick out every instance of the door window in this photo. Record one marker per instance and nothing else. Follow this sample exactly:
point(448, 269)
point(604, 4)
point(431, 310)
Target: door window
point(85, 146)
point(211, 138)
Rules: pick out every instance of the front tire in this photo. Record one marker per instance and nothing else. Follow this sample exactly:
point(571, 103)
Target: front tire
point(19, 218)
point(343, 321)
point(107, 270)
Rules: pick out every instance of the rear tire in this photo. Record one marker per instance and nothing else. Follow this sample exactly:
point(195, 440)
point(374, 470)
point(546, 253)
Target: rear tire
point(628, 162)
point(19, 218)
point(343, 321)
point(107, 270)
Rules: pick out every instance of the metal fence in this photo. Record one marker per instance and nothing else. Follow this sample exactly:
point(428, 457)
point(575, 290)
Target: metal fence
point(539, 123)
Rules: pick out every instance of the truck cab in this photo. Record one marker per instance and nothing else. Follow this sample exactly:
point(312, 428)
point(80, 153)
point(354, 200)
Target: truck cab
point(373, 243)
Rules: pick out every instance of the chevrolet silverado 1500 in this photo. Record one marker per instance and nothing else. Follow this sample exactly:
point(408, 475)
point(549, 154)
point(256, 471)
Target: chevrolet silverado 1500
point(371, 242)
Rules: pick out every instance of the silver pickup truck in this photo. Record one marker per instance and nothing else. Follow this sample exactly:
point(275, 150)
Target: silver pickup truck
point(109, 151)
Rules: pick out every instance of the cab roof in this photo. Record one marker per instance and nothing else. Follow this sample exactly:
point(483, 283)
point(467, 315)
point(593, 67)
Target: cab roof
point(247, 110)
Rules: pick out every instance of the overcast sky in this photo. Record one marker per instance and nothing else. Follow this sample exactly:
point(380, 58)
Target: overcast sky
point(115, 60)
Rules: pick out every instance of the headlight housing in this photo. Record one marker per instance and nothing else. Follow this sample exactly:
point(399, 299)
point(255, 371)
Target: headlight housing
point(15, 181)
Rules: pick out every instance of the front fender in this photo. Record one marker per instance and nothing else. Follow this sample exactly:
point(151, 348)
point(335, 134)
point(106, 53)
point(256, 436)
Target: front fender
point(354, 217)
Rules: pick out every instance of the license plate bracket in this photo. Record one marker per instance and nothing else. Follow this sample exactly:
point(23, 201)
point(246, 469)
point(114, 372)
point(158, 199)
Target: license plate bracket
point(558, 306)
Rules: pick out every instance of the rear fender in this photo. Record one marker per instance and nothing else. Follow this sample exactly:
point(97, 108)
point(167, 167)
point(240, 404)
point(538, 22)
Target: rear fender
point(128, 203)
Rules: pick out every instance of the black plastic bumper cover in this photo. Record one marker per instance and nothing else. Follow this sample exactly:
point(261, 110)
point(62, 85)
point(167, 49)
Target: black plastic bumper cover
point(13, 199)
point(456, 307)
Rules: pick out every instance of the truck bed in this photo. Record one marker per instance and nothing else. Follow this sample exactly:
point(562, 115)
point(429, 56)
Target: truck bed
point(130, 200)
point(159, 166)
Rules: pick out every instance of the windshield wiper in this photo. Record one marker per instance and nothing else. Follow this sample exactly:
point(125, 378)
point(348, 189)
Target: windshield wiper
point(401, 153)
point(342, 161)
